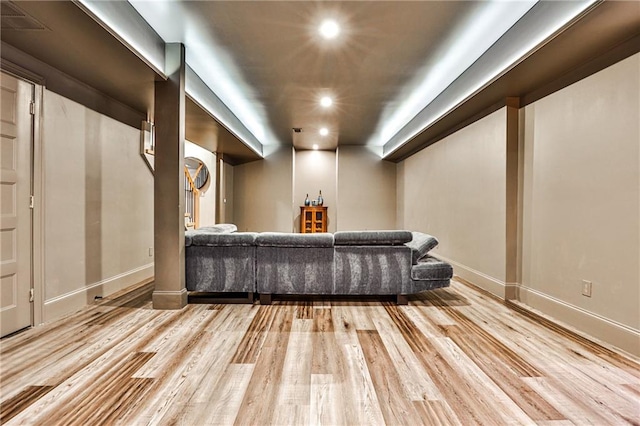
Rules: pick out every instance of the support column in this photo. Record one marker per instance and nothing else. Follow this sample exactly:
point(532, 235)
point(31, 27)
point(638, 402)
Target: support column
point(511, 218)
point(168, 188)
point(220, 192)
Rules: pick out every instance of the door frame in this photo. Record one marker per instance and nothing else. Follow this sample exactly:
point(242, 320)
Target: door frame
point(37, 187)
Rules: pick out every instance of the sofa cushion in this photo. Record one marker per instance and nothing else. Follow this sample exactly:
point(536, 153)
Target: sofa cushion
point(220, 228)
point(280, 239)
point(371, 238)
point(430, 268)
point(420, 245)
point(242, 239)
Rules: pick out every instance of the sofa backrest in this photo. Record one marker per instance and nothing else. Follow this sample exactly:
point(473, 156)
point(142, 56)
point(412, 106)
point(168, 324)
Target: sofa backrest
point(371, 238)
point(283, 239)
point(237, 239)
point(220, 228)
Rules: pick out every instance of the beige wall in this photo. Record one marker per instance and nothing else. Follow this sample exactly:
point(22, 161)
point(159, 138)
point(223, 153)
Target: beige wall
point(581, 200)
point(315, 171)
point(98, 206)
point(207, 197)
point(455, 190)
point(366, 190)
point(579, 203)
point(358, 188)
point(262, 193)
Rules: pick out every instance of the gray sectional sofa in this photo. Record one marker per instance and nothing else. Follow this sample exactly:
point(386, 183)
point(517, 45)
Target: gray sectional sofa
point(345, 263)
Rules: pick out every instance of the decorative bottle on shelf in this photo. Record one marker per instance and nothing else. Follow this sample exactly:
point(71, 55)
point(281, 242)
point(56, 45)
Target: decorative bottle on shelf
point(307, 203)
point(320, 199)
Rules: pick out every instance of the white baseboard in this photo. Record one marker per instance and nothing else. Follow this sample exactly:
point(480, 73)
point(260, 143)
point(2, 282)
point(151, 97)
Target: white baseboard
point(580, 320)
point(480, 279)
point(73, 301)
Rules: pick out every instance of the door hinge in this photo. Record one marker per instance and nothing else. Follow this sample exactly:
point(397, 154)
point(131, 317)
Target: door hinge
point(30, 295)
point(32, 108)
point(31, 201)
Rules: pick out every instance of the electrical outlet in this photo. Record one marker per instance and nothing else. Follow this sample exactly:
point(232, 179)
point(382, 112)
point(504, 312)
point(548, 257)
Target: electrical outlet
point(150, 251)
point(586, 288)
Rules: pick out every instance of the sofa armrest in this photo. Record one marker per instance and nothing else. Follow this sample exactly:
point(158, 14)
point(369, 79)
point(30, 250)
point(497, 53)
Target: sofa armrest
point(430, 268)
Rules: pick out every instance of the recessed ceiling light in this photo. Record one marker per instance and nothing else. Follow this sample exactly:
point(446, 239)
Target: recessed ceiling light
point(324, 131)
point(329, 29)
point(315, 146)
point(326, 101)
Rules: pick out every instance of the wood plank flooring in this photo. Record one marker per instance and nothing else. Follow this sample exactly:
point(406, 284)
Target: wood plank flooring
point(452, 356)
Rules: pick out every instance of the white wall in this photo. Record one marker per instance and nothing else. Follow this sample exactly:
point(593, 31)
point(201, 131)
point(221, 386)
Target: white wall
point(581, 202)
point(262, 193)
point(455, 190)
point(98, 206)
point(366, 190)
point(208, 197)
point(315, 171)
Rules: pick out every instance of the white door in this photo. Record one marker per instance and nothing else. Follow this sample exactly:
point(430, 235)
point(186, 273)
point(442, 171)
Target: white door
point(16, 127)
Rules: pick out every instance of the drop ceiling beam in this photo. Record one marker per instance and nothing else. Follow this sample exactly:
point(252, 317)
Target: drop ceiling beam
point(511, 49)
point(125, 24)
point(206, 99)
point(607, 34)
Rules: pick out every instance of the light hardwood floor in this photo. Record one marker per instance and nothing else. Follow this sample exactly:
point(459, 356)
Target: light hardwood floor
point(452, 356)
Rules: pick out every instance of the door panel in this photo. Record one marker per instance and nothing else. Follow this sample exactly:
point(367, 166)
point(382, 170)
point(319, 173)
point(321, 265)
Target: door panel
point(15, 214)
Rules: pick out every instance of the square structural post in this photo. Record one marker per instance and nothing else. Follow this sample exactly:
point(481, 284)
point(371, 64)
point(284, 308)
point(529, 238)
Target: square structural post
point(168, 189)
point(512, 213)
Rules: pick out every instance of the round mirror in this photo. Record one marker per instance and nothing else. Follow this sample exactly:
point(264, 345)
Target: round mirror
point(199, 173)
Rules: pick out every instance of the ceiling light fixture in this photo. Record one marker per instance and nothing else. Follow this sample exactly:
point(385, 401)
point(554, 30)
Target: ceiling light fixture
point(329, 29)
point(326, 101)
point(324, 131)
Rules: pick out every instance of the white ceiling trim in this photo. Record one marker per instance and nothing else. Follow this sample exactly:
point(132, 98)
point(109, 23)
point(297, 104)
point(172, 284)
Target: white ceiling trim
point(213, 66)
point(126, 25)
point(202, 95)
point(537, 27)
point(124, 22)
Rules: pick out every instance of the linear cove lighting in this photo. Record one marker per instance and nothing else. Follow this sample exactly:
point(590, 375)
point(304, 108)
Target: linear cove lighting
point(558, 17)
point(490, 22)
point(208, 59)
